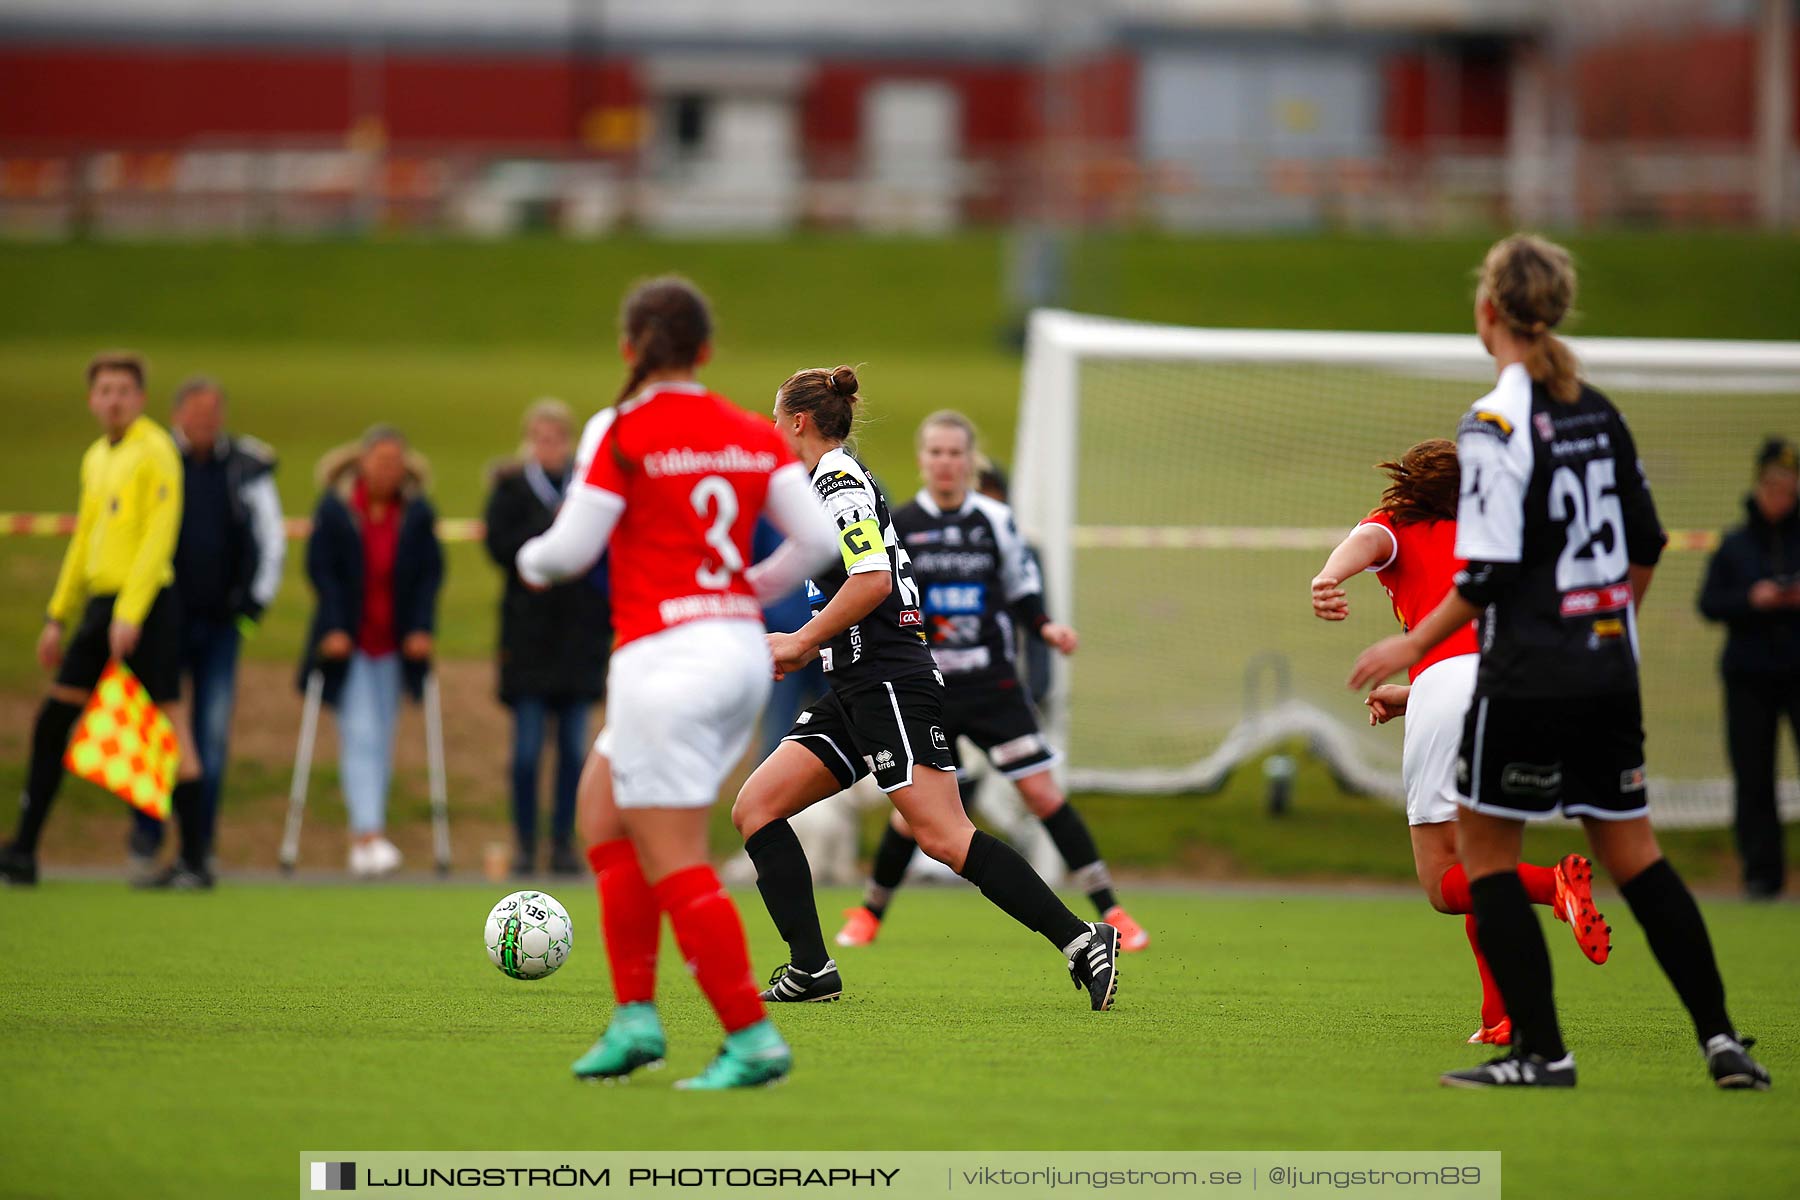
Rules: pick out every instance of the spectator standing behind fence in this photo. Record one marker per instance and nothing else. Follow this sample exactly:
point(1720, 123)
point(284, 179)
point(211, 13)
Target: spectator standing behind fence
point(115, 590)
point(228, 563)
point(1753, 586)
point(376, 567)
point(554, 642)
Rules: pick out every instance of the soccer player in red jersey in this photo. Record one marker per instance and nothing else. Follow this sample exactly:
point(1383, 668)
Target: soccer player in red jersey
point(1410, 544)
point(673, 478)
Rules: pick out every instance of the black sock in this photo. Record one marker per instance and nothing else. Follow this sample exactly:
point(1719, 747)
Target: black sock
point(49, 740)
point(1010, 884)
point(892, 858)
point(184, 806)
point(1081, 856)
point(1677, 934)
point(784, 878)
point(1513, 943)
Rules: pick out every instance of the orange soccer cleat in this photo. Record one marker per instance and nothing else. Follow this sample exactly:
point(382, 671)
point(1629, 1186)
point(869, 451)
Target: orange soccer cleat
point(1493, 1035)
point(860, 929)
point(1132, 937)
point(1575, 907)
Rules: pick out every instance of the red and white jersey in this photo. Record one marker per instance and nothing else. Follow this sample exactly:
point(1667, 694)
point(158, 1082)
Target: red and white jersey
point(693, 471)
point(1419, 572)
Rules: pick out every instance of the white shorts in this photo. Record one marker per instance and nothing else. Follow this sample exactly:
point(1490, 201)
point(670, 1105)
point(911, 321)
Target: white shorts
point(680, 708)
point(1434, 722)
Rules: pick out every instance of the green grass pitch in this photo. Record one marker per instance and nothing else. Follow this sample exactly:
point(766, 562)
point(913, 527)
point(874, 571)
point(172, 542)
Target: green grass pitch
point(189, 1046)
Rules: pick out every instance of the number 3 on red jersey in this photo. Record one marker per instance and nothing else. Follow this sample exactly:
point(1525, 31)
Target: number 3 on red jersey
point(714, 497)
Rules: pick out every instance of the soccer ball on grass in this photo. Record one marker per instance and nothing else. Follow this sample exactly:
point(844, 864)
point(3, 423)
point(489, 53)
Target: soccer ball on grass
point(528, 935)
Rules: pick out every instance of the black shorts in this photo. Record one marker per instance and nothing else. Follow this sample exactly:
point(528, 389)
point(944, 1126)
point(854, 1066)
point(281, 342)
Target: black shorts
point(997, 716)
point(156, 661)
point(884, 731)
point(1533, 758)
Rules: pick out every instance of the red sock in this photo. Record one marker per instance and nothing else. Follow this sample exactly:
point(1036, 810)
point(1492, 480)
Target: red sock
point(1540, 883)
point(711, 938)
point(1493, 1006)
point(1455, 888)
point(1540, 886)
point(629, 918)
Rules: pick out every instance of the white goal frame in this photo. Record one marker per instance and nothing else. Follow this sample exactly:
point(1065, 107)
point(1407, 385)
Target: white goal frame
point(1045, 484)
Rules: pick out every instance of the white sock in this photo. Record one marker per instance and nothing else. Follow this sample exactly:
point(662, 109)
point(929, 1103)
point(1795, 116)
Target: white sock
point(1070, 950)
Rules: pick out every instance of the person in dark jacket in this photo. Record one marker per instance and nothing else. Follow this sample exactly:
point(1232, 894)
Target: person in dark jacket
point(228, 565)
point(376, 567)
point(554, 643)
point(1753, 586)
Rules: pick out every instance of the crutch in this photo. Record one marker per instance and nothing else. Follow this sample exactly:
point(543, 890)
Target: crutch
point(434, 759)
point(303, 753)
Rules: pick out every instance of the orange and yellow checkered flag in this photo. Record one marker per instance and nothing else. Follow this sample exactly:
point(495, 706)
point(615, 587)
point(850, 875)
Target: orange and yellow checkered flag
point(125, 744)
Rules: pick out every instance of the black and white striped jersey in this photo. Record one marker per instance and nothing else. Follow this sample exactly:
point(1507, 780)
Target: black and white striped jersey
point(1554, 512)
point(889, 643)
point(974, 573)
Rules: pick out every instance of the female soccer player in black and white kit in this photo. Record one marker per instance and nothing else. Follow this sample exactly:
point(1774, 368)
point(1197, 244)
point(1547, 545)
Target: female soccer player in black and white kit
point(883, 716)
point(1560, 536)
point(975, 576)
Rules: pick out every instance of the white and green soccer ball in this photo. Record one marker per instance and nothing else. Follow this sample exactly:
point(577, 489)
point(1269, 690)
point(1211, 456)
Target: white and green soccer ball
point(528, 935)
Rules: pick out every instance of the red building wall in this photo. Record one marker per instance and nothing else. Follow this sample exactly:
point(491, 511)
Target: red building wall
point(1697, 86)
point(172, 97)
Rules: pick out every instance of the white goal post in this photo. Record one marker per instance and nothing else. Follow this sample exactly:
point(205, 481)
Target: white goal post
point(1183, 485)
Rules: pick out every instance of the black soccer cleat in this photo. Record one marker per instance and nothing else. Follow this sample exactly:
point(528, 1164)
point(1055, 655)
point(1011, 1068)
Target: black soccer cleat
point(178, 876)
point(790, 985)
point(1731, 1065)
point(1095, 966)
point(17, 867)
point(1517, 1069)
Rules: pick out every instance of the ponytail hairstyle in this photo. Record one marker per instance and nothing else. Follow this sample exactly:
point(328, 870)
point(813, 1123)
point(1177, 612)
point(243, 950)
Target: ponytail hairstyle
point(666, 322)
point(1426, 483)
point(1530, 282)
point(827, 393)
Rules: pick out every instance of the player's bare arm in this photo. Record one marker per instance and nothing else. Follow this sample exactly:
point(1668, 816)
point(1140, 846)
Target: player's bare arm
point(1366, 546)
point(861, 594)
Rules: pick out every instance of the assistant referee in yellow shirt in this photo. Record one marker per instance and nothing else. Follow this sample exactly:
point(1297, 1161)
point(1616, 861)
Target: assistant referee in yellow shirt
point(115, 590)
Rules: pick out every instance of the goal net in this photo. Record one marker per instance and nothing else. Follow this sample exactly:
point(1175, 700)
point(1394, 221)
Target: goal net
point(1184, 485)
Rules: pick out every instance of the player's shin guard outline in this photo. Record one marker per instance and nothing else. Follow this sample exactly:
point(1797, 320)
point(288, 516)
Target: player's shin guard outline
point(711, 937)
point(630, 919)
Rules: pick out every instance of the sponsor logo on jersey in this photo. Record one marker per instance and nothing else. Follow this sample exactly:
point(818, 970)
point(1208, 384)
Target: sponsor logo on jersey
point(803, 718)
point(953, 535)
point(924, 537)
point(911, 618)
point(814, 597)
point(1632, 780)
point(938, 739)
point(1490, 423)
point(1587, 602)
point(1531, 779)
point(965, 564)
point(837, 481)
point(731, 460)
point(1546, 428)
point(682, 609)
point(951, 598)
point(825, 658)
point(1608, 629)
point(884, 759)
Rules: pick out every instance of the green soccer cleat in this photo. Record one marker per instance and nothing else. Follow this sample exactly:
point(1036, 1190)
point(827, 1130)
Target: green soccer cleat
point(634, 1039)
point(752, 1057)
